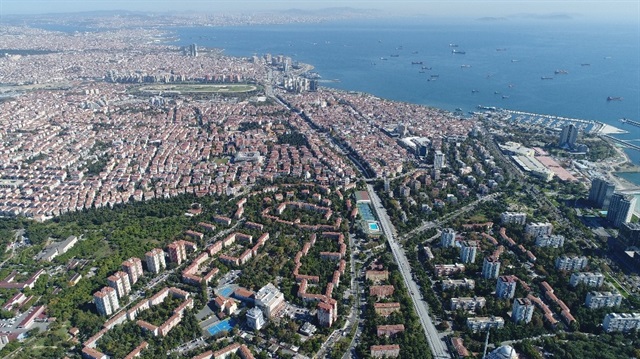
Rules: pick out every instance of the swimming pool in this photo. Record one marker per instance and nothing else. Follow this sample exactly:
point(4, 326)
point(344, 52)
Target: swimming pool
point(226, 292)
point(227, 325)
point(374, 227)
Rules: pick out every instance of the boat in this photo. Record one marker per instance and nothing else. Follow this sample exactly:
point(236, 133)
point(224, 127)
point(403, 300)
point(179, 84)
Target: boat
point(496, 92)
point(453, 45)
point(383, 58)
point(505, 97)
point(614, 98)
point(561, 72)
point(514, 60)
point(416, 62)
point(465, 66)
point(435, 76)
point(546, 78)
point(394, 55)
point(458, 109)
point(426, 68)
point(458, 52)
point(421, 71)
point(501, 49)
point(585, 64)
point(415, 52)
point(474, 91)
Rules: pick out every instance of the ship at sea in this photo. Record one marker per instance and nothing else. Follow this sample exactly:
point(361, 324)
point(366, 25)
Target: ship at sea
point(614, 98)
point(465, 66)
point(426, 68)
point(585, 64)
point(416, 62)
point(458, 52)
point(453, 45)
point(394, 55)
point(546, 78)
point(561, 72)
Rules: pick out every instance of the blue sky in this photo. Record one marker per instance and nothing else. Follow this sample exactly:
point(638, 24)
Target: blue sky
point(613, 10)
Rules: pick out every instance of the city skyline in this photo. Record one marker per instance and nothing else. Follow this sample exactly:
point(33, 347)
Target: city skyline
point(620, 10)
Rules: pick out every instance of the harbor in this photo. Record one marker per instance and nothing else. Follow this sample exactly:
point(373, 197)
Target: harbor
point(556, 122)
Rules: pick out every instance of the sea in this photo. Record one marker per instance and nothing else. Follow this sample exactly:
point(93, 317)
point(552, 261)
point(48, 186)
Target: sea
point(502, 65)
point(496, 63)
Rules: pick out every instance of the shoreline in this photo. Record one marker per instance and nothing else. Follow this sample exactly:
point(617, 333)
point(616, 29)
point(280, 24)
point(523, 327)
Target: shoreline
point(624, 166)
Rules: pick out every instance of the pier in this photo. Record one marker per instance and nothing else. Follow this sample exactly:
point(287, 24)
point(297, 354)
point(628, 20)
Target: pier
point(631, 122)
point(622, 142)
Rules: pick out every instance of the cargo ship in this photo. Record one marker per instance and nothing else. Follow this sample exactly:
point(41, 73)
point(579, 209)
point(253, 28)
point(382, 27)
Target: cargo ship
point(458, 52)
point(614, 98)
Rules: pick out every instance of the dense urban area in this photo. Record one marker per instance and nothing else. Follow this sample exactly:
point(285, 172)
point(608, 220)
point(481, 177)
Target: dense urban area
point(163, 201)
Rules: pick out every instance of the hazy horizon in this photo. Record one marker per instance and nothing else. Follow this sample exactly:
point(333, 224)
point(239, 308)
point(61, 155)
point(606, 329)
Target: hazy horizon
point(619, 10)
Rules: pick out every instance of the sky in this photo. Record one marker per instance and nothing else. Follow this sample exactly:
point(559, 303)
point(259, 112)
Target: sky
point(612, 10)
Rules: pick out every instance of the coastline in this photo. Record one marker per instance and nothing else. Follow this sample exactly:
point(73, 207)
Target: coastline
point(625, 165)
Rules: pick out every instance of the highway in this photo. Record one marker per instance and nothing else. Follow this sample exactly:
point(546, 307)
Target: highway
point(437, 345)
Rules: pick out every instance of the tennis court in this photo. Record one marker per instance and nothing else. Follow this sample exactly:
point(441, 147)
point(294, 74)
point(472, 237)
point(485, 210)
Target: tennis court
point(225, 325)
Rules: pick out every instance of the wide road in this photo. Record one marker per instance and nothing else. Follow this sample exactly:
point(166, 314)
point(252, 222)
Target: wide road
point(437, 345)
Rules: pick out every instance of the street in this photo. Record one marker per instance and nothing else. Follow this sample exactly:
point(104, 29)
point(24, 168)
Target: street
point(436, 344)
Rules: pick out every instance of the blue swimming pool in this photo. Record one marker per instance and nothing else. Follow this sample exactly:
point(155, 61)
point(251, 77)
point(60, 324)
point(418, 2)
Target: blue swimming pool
point(226, 292)
point(374, 226)
point(227, 325)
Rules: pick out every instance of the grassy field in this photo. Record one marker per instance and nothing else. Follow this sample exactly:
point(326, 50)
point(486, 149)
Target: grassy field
point(199, 88)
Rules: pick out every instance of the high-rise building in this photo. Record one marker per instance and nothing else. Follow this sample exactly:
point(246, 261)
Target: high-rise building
point(621, 209)
point(629, 234)
point(255, 319)
point(600, 192)
point(522, 310)
point(571, 263)
point(133, 268)
point(438, 160)
point(325, 314)
point(538, 229)
point(155, 260)
point(448, 238)
point(468, 251)
point(484, 323)
point(120, 282)
point(193, 50)
point(589, 279)
point(597, 300)
point(177, 252)
point(490, 267)
point(106, 301)
point(616, 322)
point(513, 217)
point(569, 135)
point(269, 299)
point(554, 241)
point(506, 287)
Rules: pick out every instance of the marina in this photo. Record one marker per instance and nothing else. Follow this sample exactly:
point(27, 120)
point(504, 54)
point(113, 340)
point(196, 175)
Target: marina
point(556, 122)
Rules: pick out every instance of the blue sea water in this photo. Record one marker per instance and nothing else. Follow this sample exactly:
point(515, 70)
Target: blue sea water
point(502, 65)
